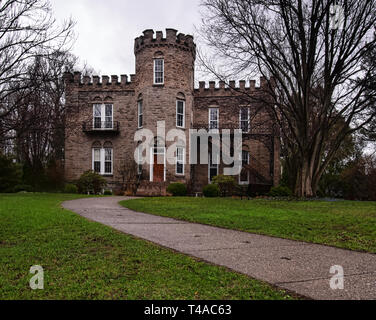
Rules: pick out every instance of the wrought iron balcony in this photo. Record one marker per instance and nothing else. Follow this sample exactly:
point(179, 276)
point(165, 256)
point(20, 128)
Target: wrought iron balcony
point(100, 126)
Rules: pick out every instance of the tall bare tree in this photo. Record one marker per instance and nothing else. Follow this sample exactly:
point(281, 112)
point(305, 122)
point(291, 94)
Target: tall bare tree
point(311, 53)
point(27, 30)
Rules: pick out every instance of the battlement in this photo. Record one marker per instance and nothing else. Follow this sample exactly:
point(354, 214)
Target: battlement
point(149, 39)
point(222, 87)
point(77, 79)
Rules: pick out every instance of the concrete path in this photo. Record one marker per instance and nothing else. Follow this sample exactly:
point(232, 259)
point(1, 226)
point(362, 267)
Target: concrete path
point(297, 266)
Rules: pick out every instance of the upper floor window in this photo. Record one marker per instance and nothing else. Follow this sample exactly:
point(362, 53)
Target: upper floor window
point(158, 71)
point(103, 116)
point(140, 114)
point(180, 113)
point(213, 118)
point(244, 118)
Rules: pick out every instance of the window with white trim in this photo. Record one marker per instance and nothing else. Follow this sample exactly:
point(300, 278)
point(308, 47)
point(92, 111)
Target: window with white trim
point(140, 114)
point(103, 116)
point(213, 168)
point(103, 161)
point(244, 119)
point(108, 161)
point(139, 159)
point(244, 174)
point(97, 160)
point(179, 160)
point(213, 118)
point(180, 113)
point(158, 71)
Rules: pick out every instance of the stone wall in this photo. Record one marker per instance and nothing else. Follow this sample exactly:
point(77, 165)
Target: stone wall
point(159, 104)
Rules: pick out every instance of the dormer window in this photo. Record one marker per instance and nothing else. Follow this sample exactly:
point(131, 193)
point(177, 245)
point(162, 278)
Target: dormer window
point(159, 71)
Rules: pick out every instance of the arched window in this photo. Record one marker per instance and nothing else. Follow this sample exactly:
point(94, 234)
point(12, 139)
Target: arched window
point(102, 158)
point(140, 112)
point(158, 68)
point(180, 110)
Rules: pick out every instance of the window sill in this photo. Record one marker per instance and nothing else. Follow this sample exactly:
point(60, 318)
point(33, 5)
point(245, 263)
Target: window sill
point(158, 84)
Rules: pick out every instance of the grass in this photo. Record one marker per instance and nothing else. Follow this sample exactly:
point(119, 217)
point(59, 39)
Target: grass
point(344, 224)
point(87, 260)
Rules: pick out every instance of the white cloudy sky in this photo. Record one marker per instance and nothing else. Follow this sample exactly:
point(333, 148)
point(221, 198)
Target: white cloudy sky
point(106, 29)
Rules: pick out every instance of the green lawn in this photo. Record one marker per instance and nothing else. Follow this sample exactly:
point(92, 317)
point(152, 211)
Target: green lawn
point(87, 260)
point(345, 224)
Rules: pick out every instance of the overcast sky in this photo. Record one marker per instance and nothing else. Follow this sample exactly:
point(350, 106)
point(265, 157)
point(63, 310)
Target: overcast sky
point(106, 29)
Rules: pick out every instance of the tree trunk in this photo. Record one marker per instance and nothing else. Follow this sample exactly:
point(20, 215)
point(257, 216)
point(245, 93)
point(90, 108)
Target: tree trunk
point(303, 186)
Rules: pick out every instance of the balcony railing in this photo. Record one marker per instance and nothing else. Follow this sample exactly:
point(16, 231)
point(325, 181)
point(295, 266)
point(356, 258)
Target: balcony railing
point(100, 126)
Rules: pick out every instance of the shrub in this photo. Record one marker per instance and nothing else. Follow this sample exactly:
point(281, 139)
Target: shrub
point(23, 187)
point(280, 191)
point(177, 189)
point(211, 190)
point(107, 192)
point(70, 188)
point(226, 184)
point(91, 182)
point(10, 174)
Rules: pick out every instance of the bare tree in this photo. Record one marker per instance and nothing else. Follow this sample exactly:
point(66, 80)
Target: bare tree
point(311, 53)
point(129, 172)
point(27, 30)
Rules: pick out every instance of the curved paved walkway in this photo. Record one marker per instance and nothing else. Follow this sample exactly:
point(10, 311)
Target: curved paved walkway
point(297, 266)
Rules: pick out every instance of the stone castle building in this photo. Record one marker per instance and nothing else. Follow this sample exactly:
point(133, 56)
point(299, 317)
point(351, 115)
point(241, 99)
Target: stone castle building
point(103, 116)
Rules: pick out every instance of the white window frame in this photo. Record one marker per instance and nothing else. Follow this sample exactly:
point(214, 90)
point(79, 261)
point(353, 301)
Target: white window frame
point(103, 161)
point(93, 160)
point(157, 151)
point(210, 121)
point(103, 116)
point(183, 114)
point(182, 161)
point(240, 181)
point(139, 160)
point(242, 120)
point(212, 166)
point(140, 124)
point(155, 72)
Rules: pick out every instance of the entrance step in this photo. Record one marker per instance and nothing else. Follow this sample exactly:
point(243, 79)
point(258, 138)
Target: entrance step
point(152, 189)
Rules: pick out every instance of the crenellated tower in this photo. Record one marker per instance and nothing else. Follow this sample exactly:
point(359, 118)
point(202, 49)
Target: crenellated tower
point(165, 85)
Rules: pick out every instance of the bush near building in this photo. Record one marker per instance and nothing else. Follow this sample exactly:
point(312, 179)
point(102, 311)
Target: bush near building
point(91, 182)
point(177, 189)
point(211, 191)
